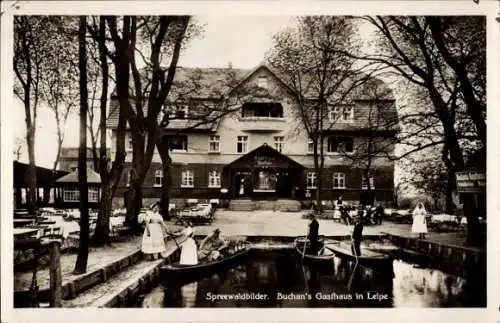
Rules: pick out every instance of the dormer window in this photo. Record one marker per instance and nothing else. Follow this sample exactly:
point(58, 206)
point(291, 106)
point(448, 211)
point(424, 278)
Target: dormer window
point(262, 82)
point(262, 110)
point(341, 114)
point(179, 111)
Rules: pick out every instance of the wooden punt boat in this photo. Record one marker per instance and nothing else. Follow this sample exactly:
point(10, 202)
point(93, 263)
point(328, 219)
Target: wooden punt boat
point(177, 271)
point(325, 258)
point(381, 263)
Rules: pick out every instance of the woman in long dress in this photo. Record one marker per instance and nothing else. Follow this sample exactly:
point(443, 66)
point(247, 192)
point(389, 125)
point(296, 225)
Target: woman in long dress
point(153, 243)
point(419, 221)
point(189, 251)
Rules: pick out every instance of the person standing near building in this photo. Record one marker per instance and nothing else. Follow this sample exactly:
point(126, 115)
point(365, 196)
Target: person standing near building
point(153, 243)
point(419, 221)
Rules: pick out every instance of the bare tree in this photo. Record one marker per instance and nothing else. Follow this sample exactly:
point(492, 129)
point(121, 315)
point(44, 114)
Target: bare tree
point(376, 138)
point(118, 56)
point(164, 37)
point(28, 67)
point(57, 89)
point(414, 48)
point(309, 58)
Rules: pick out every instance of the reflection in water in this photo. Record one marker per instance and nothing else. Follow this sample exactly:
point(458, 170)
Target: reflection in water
point(419, 287)
point(280, 279)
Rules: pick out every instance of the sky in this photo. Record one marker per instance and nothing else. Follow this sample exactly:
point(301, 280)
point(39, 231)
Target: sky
point(241, 41)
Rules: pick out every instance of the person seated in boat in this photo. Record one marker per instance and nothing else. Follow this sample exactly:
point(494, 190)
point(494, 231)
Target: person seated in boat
point(357, 236)
point(313, 236)
point(189, 251)
point(211, 246)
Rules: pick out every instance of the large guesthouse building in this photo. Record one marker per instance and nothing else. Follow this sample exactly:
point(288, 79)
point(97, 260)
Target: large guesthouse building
point(257, 147)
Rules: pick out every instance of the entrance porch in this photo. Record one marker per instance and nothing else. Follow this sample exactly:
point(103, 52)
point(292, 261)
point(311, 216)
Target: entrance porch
point(264, 174)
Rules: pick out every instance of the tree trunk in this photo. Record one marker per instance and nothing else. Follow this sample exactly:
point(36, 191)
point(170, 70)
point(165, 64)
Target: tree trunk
point(108, 178)
point(83, 248)
point(473, 234)
point(456, 157)
point(134, 205)
point(101, 235)
point(166, 161)
point(31, 172)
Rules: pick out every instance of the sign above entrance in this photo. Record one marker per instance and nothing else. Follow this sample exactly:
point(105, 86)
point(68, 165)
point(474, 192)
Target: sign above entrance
point(471, 182)
point(264, 160)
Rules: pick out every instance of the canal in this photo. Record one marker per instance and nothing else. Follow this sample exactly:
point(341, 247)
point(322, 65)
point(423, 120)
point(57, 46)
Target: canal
point(278, 278)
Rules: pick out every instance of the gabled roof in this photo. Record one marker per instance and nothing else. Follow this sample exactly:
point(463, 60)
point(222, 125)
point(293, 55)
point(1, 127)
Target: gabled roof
point(92, 177)
point(265, 151)
point(214, 84)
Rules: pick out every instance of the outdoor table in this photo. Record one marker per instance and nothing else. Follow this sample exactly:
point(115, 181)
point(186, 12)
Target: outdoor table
point(23, 233)
point(22, 222)
point(46, 222)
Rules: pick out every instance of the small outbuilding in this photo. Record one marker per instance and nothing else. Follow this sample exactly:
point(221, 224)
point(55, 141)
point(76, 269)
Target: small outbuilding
point(45, 178)
point(67, 193)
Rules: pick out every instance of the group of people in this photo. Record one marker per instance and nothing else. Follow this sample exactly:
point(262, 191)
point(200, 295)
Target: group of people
point(155, 232)
point(369, 214)
point(419, 226)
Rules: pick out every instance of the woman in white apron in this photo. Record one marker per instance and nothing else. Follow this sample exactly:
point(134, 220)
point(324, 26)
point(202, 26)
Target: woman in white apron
point(419, 221)
point(153, 243)
point(189, 250)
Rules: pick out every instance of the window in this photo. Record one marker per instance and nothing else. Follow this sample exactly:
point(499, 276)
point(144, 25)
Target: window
point(180, 111)
point(311, 180)
point(364, 183)
point(340, 144)
point(334, 114)
point(342, 114)
point(158, 178)
point(262, 82)
point(242, 144)
point(310, 146)
point(93, 195)
point(262, 110)
point(338, 180)
point(177, 143)
point(347, 113)
point(213, 144)
point(213, 178)
point(71, 195)
point(187, 178)
point(278, 143)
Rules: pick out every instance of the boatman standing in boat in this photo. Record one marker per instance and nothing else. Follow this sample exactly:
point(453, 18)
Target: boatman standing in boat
point(357, 236)
point(313, 235)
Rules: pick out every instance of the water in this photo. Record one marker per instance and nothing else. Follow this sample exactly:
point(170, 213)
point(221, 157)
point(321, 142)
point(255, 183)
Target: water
point(279, 279)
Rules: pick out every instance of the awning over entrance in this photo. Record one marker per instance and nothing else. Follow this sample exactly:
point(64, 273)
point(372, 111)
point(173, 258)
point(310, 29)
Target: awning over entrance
point(264, 157)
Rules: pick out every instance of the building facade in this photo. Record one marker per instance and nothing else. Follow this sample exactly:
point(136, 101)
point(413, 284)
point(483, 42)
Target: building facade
point(259, 148)
point(68, 161)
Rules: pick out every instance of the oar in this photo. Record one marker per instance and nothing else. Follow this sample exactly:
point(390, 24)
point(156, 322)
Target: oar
point(303, 268)
point(173, 238)
point(355, 255)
